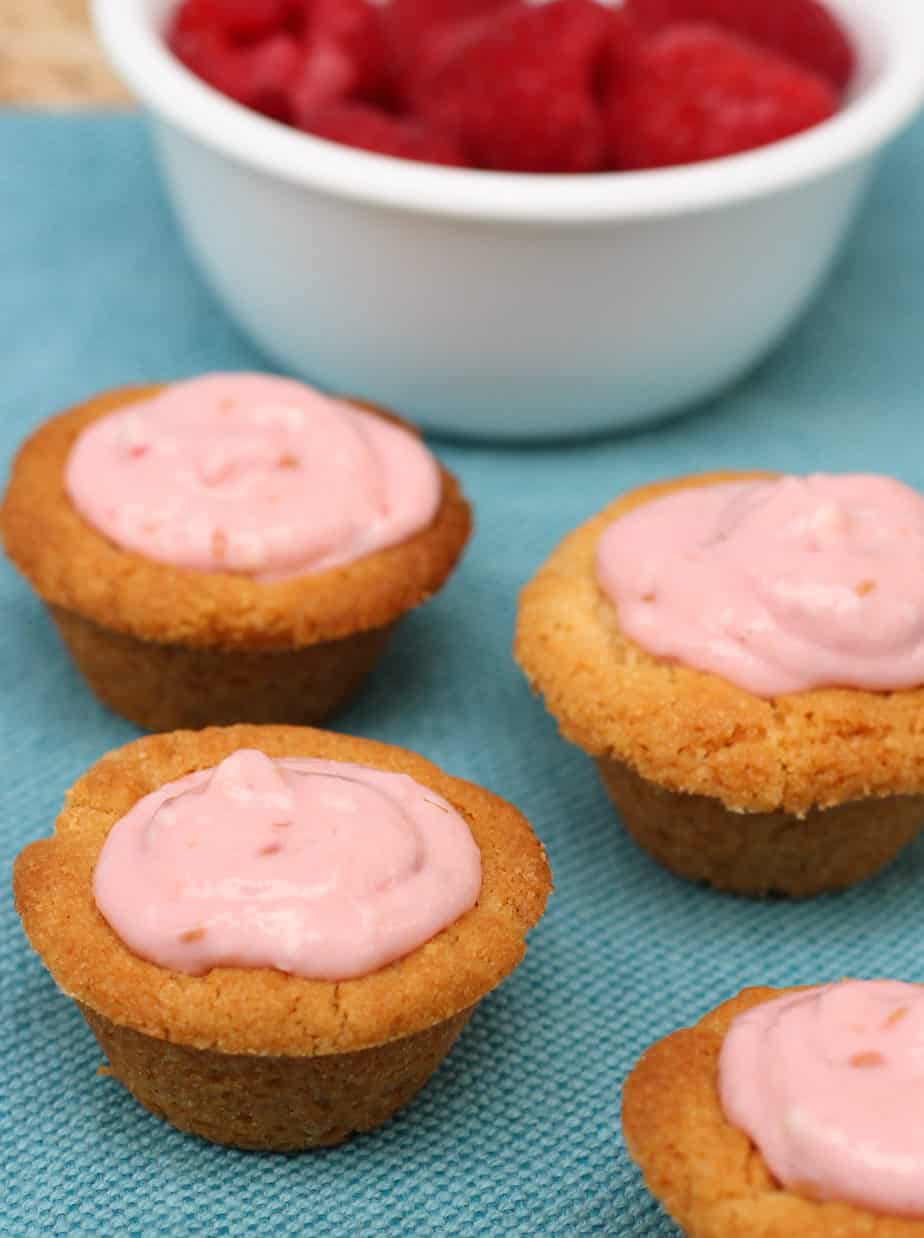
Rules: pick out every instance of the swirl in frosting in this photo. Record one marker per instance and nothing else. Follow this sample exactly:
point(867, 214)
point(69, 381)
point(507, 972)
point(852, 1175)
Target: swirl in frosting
point(251, 473)
point(827, 1083)
point(322, 869)
point(778, 586)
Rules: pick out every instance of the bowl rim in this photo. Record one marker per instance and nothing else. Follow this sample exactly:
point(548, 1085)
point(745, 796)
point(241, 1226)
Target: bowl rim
point(129, 31)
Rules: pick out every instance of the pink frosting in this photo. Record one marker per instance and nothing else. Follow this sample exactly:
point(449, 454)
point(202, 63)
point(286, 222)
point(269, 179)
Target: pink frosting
point(828, 1084)
point(778, 586)
point(251, 473)
point(318, 868)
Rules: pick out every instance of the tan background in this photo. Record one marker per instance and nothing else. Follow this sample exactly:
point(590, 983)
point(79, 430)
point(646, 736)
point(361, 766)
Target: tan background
point(48, 57)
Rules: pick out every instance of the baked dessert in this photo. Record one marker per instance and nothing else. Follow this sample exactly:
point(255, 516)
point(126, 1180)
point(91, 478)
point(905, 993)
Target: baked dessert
point(743, 658)
point(236, 547)
point(277, 933)
point(787, 1112)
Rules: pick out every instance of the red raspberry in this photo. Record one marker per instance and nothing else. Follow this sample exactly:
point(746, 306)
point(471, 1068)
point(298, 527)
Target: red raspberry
point(624, 43)
point(369, 128)
point(696, 93)
point(414, 28)
point(240, 19)
point(412, 23)
point(519, 92)
point(257, 75)
point(343, 56)
point(803, 30)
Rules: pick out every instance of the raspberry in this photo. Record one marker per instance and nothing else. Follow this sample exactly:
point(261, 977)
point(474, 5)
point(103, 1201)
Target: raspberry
point(623, 46)
point(413, 28)
point(697, 93)
point(239, 19)
point(803, 30)
point(359, 124)
point(562, 86)
point(256, 75)
point(519, 91)
point(412, 23)
point(343, 56)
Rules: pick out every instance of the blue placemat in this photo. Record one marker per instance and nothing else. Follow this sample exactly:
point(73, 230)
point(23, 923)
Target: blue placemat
point(519, 1131)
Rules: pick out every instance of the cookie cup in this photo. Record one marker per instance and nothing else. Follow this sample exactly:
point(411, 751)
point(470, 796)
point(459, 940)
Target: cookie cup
point(707, 1174)
point(256, 1058)
point(167, 647)
point(795, 795)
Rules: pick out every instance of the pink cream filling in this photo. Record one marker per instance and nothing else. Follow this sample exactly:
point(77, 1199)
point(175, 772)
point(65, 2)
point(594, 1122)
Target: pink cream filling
point(827, 1084)
point(251, 473)
point(778, 586)
point(322, 869)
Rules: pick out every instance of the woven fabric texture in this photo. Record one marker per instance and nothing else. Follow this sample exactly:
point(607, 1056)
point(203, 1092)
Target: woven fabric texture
point(519, 1131)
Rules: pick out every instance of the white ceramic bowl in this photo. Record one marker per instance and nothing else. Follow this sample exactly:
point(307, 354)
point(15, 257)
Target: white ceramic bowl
point(497, 304)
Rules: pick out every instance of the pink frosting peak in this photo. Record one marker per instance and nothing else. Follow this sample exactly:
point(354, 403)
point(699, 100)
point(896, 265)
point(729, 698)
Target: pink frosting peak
point(778, 586)
point(827, 1083)
point(251, 473)
point(322, 869)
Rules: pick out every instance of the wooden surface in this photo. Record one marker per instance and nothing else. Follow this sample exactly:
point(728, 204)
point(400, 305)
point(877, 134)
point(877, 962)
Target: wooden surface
point(49, 58)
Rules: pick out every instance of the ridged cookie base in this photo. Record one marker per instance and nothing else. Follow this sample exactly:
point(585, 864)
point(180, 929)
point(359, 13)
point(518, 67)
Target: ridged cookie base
point(167, 687)
point(760, 853)
point(273, 1104)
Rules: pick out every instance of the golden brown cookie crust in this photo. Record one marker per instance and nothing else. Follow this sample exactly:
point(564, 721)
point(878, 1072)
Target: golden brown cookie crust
point(263, 1011)
point(72, 566)
point(708, 1175)
point(697, 837)
point(691, 731)
point(273, 1104)
point(184, 687)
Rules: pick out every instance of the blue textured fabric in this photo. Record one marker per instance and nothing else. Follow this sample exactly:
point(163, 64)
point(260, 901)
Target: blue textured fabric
point(519, 1131)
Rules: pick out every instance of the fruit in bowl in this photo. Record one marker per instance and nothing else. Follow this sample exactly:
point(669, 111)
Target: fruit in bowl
point(565, 86)
point(493, 303)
